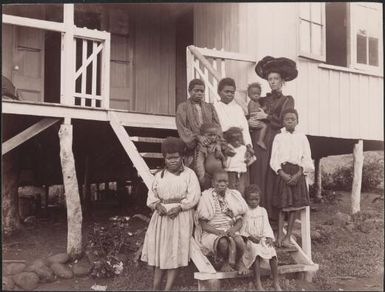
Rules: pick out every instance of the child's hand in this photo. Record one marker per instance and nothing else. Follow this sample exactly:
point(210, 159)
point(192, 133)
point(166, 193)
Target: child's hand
point(286, 177)
point(250, 149)
point(220, 233)
point(269, 241)
point(173, 212)
point(161, 209)
point(255, 239)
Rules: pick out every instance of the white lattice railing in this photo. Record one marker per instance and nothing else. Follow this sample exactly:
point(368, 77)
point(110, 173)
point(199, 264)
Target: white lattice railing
point(210, 66)
point(91, 77)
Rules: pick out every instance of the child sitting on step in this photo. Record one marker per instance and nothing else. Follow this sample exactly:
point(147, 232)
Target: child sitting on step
point(259, 237)
point(218, 220)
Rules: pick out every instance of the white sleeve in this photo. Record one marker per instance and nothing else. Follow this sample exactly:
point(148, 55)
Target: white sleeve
point(245, 127)
point(274, 160)
point(306, 161)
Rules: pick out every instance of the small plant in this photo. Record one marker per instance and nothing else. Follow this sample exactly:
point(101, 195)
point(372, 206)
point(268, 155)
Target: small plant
point(342, 178)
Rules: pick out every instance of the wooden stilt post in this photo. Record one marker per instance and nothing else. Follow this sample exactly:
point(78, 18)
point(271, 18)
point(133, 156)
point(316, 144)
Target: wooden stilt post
point(10, 197)
point(318, 178)
point(74, 210)
point(87, 190)
point(358, 160)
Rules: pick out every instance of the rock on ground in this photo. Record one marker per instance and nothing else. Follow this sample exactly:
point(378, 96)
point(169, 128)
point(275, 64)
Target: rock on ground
point(45, 273)
point(60, 258)
point(62, 271)
point(14, 268)
point(8, 283)
point(82, 268)
point(342, 219)
point(26, 280)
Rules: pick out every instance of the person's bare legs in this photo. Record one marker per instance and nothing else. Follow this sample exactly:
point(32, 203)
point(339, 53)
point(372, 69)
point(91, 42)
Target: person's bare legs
point(261, 137)
point(223, 249)
point(290, 223)
point(158, 275)
point(281, 221)
point(171, 275)
point(240, 246)
point(274, 272)
point(257, 273)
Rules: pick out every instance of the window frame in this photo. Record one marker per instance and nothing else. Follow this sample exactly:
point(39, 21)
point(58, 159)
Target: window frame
point(310, 55)
point(352, 47)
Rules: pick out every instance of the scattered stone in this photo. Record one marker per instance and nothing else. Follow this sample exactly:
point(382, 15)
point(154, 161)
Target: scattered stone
point(342, 219)
point(82, 268)
point(365, 227)
point(26, 280)
point(30, 220)
point(45, 273)
point(37, 264)
point(62, 271)
point(350, 227)
point(122, 257)
point(14, 268)
point(60, 258)
point(8, 283)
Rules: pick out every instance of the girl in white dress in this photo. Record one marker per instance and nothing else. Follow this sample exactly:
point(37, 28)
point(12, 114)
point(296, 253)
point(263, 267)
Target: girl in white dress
point(259, 238)
point(173, 196)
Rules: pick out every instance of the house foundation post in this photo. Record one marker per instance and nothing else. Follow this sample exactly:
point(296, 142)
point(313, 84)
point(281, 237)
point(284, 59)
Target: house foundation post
point(358, 162)
point(71, 189)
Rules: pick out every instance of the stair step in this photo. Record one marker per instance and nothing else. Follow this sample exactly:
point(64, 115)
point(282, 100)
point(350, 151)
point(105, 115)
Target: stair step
point(286, 249)
point(152, 155)
point(147, 139)
point(286, 269)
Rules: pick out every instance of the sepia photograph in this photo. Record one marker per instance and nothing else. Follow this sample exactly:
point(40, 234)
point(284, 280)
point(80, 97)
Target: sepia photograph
point(192, 146)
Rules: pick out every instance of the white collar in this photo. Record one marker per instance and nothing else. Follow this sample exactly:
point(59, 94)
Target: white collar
point(283, 130)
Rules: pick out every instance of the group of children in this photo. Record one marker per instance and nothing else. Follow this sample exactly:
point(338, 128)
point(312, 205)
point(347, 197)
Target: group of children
point(228, 220)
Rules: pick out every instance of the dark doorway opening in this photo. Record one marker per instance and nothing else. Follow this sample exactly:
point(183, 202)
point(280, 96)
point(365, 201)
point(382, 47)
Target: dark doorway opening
point(184, 37)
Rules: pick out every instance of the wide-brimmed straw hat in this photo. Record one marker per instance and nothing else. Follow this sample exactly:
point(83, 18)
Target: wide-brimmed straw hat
point(284, 66)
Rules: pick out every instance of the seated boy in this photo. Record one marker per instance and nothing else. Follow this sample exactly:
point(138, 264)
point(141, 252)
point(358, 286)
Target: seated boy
point(219, 215)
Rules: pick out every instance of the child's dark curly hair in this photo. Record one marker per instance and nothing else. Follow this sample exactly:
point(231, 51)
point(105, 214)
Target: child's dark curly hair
point(229, 134)
point(252, 189)
point(205, 126)
point(254, 85)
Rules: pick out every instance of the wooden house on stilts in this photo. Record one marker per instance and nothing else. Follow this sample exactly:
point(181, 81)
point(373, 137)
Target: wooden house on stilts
point(100, 83)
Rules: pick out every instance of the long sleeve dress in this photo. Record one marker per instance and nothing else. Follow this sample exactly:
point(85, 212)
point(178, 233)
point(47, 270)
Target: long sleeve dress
point(260, 171)
point(256, 223)
point(167, 241)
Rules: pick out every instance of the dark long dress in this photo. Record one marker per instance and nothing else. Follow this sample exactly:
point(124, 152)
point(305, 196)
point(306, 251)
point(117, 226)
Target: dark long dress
point(260, 171)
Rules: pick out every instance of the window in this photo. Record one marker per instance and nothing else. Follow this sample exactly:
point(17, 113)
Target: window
point(342, 34)
point(365, 33)
point(312, 30)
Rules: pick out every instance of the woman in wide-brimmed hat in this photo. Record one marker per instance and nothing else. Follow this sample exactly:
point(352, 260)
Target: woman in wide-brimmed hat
point(276, 71)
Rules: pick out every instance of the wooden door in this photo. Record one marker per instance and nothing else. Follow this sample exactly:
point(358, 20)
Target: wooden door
point(121, 66)
point(28, 63)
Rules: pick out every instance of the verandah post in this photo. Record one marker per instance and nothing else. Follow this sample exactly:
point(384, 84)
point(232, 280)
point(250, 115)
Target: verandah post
point(71, 189)
point(358, 162)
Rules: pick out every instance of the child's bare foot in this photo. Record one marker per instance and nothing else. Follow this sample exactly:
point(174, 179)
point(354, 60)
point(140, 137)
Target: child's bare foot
point(226, 268)
point(276, 286)
point(262, 144)
point(258, 286)
point(242, 270)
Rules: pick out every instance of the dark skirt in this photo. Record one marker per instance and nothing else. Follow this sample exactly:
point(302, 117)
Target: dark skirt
point(290, 197)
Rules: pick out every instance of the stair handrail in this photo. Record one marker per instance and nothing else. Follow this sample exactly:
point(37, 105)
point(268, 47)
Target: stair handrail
point(205, 63)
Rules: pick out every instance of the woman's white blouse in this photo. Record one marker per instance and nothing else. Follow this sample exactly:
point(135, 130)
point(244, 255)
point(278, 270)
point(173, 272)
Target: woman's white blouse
point(291, 147)
point(232, 115)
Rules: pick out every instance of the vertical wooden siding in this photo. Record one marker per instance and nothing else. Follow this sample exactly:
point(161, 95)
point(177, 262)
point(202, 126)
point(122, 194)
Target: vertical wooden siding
point(338, 104)
point(155, 65)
